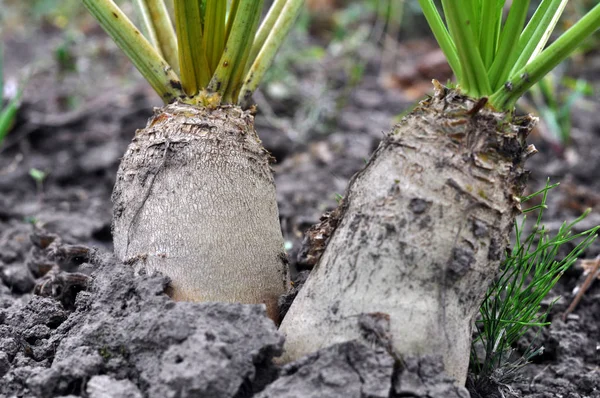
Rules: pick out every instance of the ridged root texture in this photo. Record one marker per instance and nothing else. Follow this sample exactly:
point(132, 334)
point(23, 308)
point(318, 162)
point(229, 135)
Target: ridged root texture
point(422, 233)
point(195, 200)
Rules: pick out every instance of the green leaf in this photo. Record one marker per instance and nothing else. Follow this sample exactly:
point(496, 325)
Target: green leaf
point(265, 28)
point(8, 114)
point(37, 175)
point(474, 14)
point(231, 17)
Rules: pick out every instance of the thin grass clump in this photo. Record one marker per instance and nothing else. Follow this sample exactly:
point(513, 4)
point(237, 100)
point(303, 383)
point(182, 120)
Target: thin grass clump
point(514, 304)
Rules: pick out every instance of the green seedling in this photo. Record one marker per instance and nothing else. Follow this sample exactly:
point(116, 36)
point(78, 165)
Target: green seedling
point(513, 304)
point(31, 220)
point(38, 176)
point(65, 57)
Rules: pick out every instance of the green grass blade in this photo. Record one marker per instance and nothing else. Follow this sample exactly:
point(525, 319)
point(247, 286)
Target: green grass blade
point(474, 71)
point(239, 40)
point(509, 36)
point(147, 24)
point(214, 31)
point(513, 304)
point(442, 36)
point(165, 34)
point(538, 31)
point(543, 191)
point(506, 97)
point(193, 62)
point(145, 58)
point(267, 53)
point(523, 323)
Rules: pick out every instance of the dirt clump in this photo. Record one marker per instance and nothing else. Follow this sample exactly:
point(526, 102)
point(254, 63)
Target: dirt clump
point(124, 328)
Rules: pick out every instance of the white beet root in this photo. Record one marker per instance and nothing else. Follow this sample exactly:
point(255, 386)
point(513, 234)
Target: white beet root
point(195, 200)
point(421, 235)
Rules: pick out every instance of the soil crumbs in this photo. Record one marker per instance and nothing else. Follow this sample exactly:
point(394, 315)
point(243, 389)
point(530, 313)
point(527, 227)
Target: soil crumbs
point(94, 329)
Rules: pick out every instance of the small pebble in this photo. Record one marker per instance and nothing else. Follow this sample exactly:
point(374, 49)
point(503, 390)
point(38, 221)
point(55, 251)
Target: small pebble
point(572, 317)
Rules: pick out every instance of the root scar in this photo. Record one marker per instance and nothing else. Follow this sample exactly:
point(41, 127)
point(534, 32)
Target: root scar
point(147, 194)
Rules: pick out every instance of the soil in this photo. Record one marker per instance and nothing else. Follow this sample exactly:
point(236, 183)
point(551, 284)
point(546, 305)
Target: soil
point(75, 322)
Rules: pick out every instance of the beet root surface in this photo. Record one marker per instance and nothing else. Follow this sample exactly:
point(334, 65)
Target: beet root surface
point(422, 233)
point(195, 200)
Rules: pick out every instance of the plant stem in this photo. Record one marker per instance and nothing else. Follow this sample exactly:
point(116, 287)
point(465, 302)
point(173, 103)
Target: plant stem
point(506, 97)
point(491, 13)
point(510, 34)
point(214, 31)
point(145, 58)
point(231, 17)
point(593, 274)
point(142, 7)
point(442, 36)
point(239, 39)
point(474, 72)
point(165, 33)
point(193, 63)
point(474, 13)
point(265, 28)
point(537, 32)
point(269, 49)
point(233, 88)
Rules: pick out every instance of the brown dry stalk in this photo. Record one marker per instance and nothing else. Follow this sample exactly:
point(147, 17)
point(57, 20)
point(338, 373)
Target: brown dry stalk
point(592, 269)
